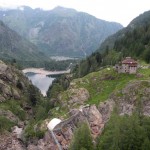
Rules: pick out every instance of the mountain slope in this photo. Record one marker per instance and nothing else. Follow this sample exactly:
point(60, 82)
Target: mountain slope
point(15, 96)
point(13, 46)
point(20, 103)
point(61, 31)
point(134, 40)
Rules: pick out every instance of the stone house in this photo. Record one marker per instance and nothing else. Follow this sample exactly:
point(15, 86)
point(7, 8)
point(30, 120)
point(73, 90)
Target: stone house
point(128, 65)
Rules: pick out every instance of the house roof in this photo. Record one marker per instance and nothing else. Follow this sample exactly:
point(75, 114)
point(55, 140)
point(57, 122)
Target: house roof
point(129, 60)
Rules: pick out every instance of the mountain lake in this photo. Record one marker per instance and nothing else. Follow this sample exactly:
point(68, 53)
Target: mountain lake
point(41, 81)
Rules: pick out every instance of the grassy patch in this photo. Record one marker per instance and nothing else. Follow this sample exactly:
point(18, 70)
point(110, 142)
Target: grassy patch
point(5, 124)
point(102, 83)
point(33, 131)
point(59, 112)
point(14, 107)
point(145, 73)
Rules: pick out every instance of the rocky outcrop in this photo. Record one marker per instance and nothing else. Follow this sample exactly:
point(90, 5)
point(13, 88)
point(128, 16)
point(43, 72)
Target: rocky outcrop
point(105, 108)
point(134, 96)
point(47, 143)
point(64, 130)
point(9, 141)
point(18, 132)
point(11, 82)
point(3, 67)
point(74, 97)
point(13, 107)
point(78, 96)
point(94, 118)
point(9, 115)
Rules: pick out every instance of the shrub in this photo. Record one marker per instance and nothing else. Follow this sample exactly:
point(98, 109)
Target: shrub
point(82, 139)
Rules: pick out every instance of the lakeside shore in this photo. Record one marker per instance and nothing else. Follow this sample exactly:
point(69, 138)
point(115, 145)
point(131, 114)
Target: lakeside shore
point(44, 72)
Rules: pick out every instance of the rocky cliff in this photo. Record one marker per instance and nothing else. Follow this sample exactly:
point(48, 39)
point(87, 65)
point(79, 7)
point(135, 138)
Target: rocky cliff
point(10, 83)
point(15, 106)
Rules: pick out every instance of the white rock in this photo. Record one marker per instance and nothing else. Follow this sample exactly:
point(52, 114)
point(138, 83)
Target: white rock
point(52, 124)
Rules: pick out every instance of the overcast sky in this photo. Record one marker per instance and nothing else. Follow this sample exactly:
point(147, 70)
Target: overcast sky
point(122, 11)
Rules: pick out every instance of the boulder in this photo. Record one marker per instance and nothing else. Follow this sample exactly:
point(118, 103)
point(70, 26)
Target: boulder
point(6, 90)
point(105, 108)
point(3, 68)
point(94, 116)
point(131, 95)
point(95, 120)
point(18, 132)
point(2, 99)
point(126, 108)
point(15, 94)
point(9, 115)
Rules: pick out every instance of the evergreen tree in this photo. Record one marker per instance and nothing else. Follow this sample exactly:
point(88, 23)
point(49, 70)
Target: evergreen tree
point(123, 133)
point(146, 144)
point(34, 95)
point(82, 139)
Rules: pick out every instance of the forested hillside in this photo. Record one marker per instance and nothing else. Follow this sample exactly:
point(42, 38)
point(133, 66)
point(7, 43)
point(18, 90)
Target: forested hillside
point(134, 40)
point(13, 46)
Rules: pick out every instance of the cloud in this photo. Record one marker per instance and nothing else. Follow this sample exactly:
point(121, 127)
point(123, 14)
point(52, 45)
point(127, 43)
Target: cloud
point(122, 11)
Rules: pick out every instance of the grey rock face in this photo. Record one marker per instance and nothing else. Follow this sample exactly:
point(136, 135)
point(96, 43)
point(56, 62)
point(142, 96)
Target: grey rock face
point(135, 94)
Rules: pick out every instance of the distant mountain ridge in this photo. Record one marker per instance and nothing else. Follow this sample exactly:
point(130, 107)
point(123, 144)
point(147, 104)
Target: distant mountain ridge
point(61, 31)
